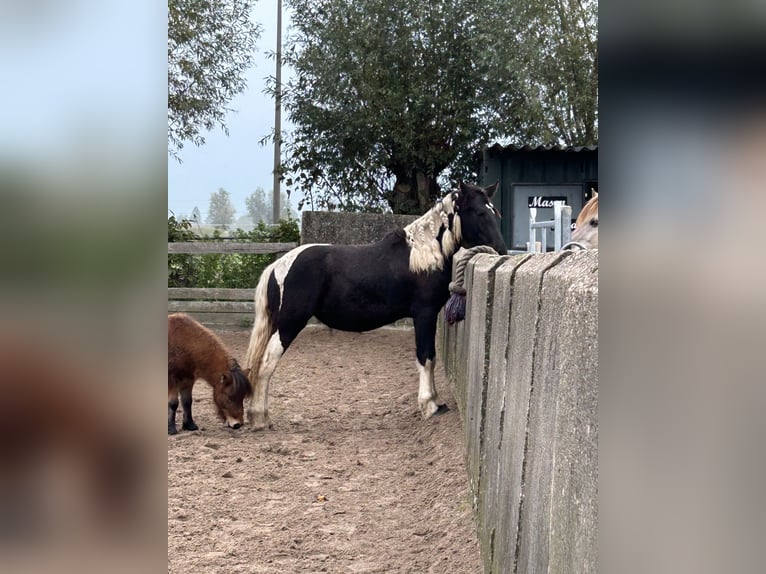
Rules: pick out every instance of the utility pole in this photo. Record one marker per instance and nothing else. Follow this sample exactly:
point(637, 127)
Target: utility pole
point(278, 114)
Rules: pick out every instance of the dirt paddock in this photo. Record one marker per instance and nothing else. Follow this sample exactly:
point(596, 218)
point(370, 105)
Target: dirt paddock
point(349, 480)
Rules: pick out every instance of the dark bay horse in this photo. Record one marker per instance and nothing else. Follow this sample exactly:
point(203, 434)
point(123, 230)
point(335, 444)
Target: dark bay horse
point(363, 287)
point(195, 352)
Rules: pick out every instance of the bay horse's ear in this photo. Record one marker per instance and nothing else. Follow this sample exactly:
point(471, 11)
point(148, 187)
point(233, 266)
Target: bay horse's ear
point(490, 189)
point(246, 372)
point(226, 381)
point(457, 196)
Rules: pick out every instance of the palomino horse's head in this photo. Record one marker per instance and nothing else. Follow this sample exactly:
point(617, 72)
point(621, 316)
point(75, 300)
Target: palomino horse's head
point(230, 395)
point(586, 227)
point(479, 220)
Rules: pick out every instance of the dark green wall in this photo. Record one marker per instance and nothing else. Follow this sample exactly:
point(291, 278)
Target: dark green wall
point(551, 166)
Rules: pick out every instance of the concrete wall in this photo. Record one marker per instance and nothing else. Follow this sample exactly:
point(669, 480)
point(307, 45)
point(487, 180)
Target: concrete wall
point(523, 367)
point(349, 228)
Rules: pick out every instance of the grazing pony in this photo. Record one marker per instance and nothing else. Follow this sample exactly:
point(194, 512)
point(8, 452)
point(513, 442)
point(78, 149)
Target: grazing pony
point(194, 352)
point(586, 227)
point(363, 287)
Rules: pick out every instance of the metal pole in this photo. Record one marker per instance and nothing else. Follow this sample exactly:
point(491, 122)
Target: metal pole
point(566, 230)
point(278, 115)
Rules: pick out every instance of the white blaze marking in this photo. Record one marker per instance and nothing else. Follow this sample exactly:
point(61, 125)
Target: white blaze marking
point(231, 421)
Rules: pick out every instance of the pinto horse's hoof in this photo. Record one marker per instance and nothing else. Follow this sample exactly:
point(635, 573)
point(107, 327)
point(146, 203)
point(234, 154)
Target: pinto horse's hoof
point(259, 421)
point(261, 426)
point(431, 409)
point(441, 410)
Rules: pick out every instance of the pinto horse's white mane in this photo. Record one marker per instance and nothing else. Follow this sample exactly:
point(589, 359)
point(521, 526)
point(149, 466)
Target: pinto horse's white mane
point(427, 252)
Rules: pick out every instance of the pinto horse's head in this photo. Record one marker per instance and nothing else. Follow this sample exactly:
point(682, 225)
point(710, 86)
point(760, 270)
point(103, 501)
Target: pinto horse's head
point(229, 395)
point(463, 218)
point(478, 218)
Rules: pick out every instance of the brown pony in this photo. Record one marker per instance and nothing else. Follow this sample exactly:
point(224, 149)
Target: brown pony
point(586, 227)
point(194, 352)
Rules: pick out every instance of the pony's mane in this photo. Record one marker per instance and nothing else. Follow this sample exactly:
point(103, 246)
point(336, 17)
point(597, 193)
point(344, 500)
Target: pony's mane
point(589, 210)
point(242, 386)
point(434, 236)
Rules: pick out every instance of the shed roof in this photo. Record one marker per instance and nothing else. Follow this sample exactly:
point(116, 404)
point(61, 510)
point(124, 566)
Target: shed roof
point(500, 148)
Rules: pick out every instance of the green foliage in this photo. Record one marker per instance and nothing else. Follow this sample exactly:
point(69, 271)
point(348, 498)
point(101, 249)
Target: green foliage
point(543, 59)
point(211, 43)
point(181, 266)
point(391, 96)
point(235, 270)
point(180, 230)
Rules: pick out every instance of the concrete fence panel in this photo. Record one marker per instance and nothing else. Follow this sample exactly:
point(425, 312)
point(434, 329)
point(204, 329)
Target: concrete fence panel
point(344, 228)
point(480, 291)
point(547, 380)
point(491, 501)
point(524, 367)
point(574, 491)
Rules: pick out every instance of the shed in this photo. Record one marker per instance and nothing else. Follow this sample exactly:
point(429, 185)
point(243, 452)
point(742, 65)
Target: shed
point(535, 176)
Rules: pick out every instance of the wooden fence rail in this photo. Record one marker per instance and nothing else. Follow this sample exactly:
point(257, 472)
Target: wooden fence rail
point(206, 247)
point(217, 307)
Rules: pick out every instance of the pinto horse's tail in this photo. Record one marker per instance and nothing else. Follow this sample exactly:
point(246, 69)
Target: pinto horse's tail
point(262, 325)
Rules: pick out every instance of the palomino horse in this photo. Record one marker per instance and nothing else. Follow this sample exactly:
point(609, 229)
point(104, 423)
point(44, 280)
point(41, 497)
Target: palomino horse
point(363, 287)
point(194, 352)
point(586, 227)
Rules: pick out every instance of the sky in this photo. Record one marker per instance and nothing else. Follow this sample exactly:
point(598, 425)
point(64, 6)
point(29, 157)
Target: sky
point(237, 162)
point(80, 74)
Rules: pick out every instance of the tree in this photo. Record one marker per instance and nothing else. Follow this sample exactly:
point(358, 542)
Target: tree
point(256, 205)
point(390, 96)
point(543, 58)
point(221, 211)
point(384, 97)
point(259, 209)
point(211, 44)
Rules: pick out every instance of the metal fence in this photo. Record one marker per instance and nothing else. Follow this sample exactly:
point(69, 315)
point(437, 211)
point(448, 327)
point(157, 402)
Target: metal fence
point(562, 231)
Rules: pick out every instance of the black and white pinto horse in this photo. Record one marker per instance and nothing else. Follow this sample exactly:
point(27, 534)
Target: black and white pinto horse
point(363, 287)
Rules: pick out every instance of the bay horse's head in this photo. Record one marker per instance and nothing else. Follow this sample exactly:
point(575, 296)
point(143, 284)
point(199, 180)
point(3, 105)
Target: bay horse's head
point(229, 395)
point(586, 227)
point(478, 219)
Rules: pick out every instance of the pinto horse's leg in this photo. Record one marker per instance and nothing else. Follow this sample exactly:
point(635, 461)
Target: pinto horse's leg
point(186, 404)
point(258, 413)
point(172, 408)
point(425, 341)
point(426, 390)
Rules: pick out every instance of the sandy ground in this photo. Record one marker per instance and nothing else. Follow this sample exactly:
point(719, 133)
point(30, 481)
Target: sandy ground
point(349, 480)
